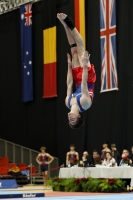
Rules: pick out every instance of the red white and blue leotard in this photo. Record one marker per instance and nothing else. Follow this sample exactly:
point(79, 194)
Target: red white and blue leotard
point(77, 74)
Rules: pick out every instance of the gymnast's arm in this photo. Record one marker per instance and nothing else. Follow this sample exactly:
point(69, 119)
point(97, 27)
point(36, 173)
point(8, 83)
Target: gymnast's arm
point(37, 159)
point(51, 159)
point(69, 79)
point(85, 99)
point(67, 158)
point(77, 156)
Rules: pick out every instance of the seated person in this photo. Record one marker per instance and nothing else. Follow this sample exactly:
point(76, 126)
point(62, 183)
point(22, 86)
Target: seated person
point(108, 161)
point(85, 159)
point(105, 149)
point(125, 158)
point(115, 154)
point(71, 156)
point(96, 159)
point(131, 156)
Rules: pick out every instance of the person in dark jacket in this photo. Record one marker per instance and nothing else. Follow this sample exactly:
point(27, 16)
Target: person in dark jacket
point(131, 156)
point(115, 153)
point(96, 159)
point(86, 159)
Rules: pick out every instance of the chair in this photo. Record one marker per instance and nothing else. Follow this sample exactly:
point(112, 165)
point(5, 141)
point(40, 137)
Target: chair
point(22, 166)
point(4, 164)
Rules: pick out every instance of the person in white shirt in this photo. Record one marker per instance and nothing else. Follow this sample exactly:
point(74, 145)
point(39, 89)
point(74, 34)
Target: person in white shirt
point(109, 161)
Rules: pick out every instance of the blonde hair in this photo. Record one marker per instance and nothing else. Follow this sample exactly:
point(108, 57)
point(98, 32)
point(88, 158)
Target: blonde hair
point(86, 152)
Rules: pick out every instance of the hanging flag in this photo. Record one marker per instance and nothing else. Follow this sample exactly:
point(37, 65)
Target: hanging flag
point(49, 47)
point(108, 45)
point(26, 51)
point(79, 16)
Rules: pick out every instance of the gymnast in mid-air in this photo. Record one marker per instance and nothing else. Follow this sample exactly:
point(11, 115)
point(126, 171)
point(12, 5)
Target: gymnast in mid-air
point(79, 69)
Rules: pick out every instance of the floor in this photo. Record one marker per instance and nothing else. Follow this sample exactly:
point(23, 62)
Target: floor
point(50, 195)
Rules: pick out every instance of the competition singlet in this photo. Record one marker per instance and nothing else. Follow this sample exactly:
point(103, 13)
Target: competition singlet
point(72, 157)
point(43, 158)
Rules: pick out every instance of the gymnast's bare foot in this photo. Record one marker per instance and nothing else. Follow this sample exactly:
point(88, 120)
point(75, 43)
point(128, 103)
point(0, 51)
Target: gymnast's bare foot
point(63, 16)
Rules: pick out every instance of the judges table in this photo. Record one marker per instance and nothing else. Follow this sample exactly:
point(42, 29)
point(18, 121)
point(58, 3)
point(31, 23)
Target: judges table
point(97, 172)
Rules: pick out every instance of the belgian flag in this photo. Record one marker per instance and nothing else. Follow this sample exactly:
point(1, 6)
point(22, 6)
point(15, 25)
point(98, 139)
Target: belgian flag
point(49, 49)
point(79, 17)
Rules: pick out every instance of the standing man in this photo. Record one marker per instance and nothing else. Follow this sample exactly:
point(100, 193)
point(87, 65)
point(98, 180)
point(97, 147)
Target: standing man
point(81, 70)
point(105, 150)
point(71, 156)
point(115, 153)
point(44, 159)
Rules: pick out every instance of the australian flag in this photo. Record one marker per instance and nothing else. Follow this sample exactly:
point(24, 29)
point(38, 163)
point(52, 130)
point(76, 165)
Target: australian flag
point(26, 51)
point(109, 80)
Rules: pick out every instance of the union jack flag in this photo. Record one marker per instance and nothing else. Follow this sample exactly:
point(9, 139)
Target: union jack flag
point(28, 14)
point(108, 45)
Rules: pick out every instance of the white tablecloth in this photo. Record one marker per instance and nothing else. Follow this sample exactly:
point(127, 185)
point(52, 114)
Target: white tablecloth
point(97, 172)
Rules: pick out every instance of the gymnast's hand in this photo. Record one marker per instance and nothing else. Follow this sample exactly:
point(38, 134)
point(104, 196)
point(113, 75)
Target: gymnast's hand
point(69, 60)
point(86, 59)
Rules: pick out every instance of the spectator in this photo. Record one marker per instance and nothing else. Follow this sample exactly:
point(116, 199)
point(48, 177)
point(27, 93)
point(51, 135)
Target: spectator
point(105, 149)
point(125, 158)
point(115, 154)
point(71, 156)
point(96, 159)
point(109, 161)
point(85, 159)
point(131, 156)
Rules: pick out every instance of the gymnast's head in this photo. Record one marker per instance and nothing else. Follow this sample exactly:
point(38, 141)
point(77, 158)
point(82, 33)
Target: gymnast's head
point(43, 149)
point(75, 120)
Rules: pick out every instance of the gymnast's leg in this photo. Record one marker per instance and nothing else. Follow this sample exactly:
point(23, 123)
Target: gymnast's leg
point(76, 36)
point(72, 43)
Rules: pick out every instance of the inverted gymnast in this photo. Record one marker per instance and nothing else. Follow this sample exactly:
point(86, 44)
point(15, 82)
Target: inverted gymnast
point(81, 70)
